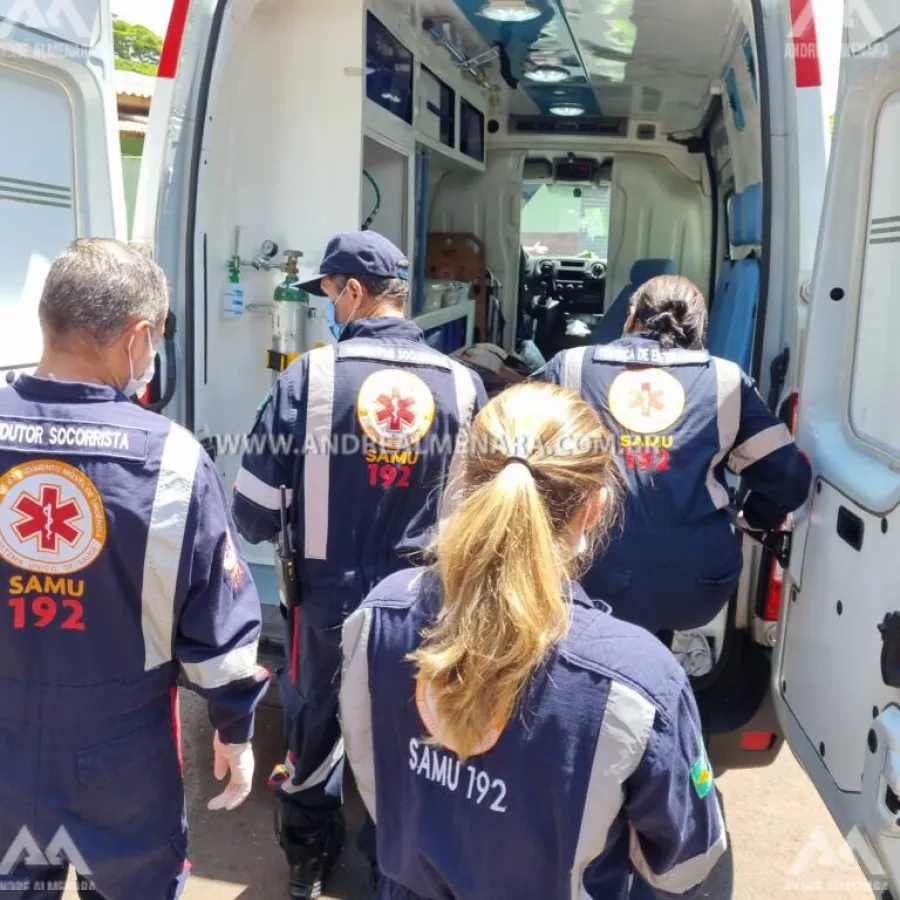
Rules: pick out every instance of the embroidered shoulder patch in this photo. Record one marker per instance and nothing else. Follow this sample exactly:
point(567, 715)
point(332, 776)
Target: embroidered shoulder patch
point(231, 563)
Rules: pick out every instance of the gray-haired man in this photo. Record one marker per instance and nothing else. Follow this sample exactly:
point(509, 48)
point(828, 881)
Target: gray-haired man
point(118, 558)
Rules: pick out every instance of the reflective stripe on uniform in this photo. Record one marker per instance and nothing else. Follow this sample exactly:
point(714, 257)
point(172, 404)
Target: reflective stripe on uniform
point(356, 705)
point(686, 875)
point(728, 419)
point(319, 776)
point(651, 356)
point(572, 368)
point(223, 670)
point(317, 461)
point(466, 397)
point(759, 446)
point(165, 542)
point(371, 350)
point(258, 492)
point(627, 725)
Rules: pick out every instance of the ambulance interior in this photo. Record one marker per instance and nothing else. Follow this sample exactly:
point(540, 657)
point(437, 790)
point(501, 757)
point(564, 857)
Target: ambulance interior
point(536, 159)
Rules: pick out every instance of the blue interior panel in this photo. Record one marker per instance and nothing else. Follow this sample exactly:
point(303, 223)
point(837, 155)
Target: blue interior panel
point(546, 40)
point(447, 338)
point(751, 65)
point(734, 100)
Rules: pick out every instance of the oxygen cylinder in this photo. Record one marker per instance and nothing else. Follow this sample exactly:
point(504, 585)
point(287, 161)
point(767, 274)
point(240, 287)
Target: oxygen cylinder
point(291, 314)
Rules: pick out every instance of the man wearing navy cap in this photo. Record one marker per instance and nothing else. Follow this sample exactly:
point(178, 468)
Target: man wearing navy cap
point(362, 435)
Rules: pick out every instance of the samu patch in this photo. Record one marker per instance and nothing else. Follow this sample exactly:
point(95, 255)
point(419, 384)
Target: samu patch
point(702, 777)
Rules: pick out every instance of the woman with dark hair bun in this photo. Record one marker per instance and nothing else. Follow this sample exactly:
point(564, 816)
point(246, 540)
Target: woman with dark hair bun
point(679, 418)
point(671, 310)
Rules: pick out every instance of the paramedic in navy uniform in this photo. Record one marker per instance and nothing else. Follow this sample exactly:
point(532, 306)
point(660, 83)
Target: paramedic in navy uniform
point(119, 566)
point(376, 418)
point(509, 736)
point(680, 417)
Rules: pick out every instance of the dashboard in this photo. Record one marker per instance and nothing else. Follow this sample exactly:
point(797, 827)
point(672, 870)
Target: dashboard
point(566, 279)
point(561, 300)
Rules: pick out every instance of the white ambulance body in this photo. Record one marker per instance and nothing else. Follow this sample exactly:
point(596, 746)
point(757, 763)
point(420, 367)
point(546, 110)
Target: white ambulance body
point(558, 145)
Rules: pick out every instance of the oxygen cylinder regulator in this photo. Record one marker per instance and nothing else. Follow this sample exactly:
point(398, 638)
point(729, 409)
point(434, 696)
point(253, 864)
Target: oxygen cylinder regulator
point(290, 307)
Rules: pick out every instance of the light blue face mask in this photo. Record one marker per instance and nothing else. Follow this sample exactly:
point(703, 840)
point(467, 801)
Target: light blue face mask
point(336, 328)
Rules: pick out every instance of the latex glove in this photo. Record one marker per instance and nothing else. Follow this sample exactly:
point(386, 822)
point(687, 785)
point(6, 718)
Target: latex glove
point(238, 759)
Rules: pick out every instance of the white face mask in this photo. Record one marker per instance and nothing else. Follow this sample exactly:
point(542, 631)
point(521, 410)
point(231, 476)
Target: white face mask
point(136, 385)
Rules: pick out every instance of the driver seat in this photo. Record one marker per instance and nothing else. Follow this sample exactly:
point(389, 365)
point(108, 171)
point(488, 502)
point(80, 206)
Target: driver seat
point(610, 327)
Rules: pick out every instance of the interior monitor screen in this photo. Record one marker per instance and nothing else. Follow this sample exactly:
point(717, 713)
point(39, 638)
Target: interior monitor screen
point(471, 131)
point(389, 71)
point(439, 102)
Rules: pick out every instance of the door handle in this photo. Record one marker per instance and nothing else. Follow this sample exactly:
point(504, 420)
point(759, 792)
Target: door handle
point(850, 528)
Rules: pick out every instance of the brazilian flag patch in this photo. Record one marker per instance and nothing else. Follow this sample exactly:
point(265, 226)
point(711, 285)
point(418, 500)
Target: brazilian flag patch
point(702, 777)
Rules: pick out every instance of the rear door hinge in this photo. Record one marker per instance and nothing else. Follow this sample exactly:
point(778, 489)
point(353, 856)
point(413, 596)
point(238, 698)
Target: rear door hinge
point(778, 375)
point(777, 543)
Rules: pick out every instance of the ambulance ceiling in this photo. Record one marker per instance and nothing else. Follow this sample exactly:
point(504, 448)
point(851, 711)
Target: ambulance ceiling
point(654, 59)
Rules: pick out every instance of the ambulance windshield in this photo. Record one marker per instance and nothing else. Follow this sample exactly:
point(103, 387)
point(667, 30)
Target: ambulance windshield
point(559, 220)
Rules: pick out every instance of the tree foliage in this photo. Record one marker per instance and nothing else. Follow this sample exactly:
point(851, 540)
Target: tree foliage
point(137, 48)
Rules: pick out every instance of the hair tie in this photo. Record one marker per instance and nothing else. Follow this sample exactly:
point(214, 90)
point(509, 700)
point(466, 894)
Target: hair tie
point(518, 459)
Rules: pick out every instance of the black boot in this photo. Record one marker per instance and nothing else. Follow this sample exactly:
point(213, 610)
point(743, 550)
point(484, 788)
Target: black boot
point(307, 879)
point(311, 859)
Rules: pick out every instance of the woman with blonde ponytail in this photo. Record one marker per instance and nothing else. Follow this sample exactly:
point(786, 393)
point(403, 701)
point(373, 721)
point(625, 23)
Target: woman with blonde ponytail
point(510, 738)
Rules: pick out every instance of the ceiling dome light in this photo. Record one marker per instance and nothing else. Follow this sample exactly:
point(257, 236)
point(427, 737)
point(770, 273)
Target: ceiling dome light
point(567, 109)
point(547, 74)
point(509, 11)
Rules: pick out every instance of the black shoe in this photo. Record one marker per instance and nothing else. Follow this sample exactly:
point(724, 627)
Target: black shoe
point(308, 877)
point(307, 880)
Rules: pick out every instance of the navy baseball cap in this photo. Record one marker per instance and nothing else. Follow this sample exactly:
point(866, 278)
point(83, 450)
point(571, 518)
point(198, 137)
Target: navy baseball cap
point(359, 253)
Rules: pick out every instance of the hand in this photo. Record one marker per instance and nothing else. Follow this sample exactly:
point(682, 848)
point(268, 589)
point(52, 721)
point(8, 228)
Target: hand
point(238, 758)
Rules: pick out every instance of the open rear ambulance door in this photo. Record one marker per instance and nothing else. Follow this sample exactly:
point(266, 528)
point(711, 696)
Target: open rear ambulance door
point(173, 178)
point(837, 673)
point(238, 142)
point(60, 163)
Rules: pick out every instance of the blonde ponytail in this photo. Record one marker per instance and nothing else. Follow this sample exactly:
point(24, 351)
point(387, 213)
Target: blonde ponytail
point(538, 455)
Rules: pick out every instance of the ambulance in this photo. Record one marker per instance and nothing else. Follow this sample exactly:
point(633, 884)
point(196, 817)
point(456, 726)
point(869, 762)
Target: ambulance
point(536, 159)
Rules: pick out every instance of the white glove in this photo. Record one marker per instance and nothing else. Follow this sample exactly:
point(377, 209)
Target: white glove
point(238, 758)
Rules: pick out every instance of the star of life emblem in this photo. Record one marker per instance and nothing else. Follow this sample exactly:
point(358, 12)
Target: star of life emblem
point(395, 408)
point(52, 518)
point(646, 400)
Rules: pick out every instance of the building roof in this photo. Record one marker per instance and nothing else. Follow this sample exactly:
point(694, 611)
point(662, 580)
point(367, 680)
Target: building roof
point(132, 124)
point(133, 84)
